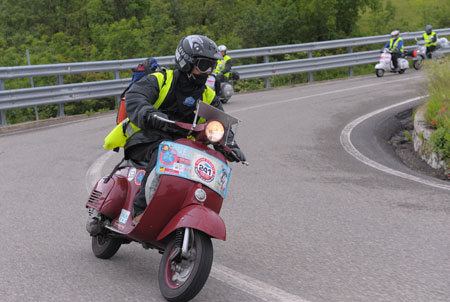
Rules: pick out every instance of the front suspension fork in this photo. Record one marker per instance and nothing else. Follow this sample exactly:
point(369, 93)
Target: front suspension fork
point(182, 238)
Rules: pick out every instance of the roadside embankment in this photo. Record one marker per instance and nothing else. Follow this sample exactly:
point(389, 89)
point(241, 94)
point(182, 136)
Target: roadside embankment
point(421, 140)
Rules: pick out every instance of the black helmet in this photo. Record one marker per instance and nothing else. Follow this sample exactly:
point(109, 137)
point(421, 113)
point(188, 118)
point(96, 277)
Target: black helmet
point(196, 50)
point(428, 29)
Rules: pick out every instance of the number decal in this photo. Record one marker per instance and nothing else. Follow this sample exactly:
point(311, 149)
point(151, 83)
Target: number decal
point(205, 169)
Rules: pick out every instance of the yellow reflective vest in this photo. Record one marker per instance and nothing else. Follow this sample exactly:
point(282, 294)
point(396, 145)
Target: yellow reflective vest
point(122, 132)
point(393, 45)
point(221, 65)
point(428, 39)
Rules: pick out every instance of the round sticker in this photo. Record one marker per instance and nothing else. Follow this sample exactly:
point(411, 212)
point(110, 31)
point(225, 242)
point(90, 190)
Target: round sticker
point(167, 156)
point(139, 177)
point(205, 169)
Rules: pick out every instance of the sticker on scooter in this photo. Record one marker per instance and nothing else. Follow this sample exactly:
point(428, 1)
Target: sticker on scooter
point(195, 165)
point(167, 155)
point(124, 215)
point(139, 177)
point(131, 174)
point(205, 169)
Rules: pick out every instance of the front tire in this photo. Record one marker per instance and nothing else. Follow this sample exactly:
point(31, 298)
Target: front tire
point(183, 280)
point(105, 247)
point(417, 64)
point(379, 72)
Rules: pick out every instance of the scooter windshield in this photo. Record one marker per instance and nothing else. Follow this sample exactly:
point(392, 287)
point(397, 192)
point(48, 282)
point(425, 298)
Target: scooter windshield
point(183, 161)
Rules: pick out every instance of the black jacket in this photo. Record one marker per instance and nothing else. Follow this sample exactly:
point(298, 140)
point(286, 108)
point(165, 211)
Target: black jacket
point(143, 94)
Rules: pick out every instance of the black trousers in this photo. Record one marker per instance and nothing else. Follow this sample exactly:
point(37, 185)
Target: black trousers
point(143, 152)
point(430, 49)
point(395, 57)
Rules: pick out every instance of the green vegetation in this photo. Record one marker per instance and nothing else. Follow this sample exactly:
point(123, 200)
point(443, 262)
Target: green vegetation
point(62, 31)
point(438, 108)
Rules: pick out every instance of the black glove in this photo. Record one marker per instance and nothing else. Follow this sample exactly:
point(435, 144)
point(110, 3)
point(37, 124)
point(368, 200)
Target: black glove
point(154, 122)
point(239, 154)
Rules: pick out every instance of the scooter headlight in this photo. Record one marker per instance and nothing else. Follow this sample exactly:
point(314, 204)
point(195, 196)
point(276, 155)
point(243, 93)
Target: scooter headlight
point(214, 131)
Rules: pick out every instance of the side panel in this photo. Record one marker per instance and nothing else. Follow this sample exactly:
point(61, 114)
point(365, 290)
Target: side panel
point(108, 198)
point(99, 194)
point(199, 218)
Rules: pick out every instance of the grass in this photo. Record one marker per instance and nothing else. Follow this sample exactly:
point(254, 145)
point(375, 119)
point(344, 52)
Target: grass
point(438, 107)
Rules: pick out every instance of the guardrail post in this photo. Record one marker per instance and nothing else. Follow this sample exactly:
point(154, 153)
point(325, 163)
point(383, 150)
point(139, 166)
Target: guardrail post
point(350, 69)
point(310, 74)
point(61, 106)
point(116, 77)
point(266, 60)
point(36, 111)
point(3, 118)
point(2, 112)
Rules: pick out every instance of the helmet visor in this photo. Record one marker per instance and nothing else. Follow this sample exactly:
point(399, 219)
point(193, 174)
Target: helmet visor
point(205, 65)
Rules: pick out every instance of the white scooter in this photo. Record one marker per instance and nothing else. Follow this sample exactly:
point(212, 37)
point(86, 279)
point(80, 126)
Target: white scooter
point(420, 53)
point(226, 89)
point(386, 63)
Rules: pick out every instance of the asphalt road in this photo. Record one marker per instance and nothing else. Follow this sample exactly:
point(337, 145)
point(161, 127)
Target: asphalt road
point(306, 221)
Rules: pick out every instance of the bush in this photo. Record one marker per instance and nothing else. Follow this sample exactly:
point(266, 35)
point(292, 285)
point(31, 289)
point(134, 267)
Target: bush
point(438, 108)
point(440, 139)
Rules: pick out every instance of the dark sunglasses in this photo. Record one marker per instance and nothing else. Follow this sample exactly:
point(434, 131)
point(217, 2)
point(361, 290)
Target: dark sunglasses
point(205, 65)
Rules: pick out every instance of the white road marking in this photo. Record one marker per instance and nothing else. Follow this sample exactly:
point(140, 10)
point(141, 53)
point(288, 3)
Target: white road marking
point(219, 272)
point(252, 286)
point(93, 174)
point(348, 146)
point(317, 95)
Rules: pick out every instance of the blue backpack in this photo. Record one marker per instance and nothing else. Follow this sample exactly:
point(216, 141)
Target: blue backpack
point(148, 66)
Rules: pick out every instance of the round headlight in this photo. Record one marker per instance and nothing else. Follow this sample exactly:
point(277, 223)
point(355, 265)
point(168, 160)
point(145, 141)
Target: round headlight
point(214, 131)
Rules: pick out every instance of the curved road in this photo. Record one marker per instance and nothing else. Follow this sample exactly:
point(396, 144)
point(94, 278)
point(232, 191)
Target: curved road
point(306, 221)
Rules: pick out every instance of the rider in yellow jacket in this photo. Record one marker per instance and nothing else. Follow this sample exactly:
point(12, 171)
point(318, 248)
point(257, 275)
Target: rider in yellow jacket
point(223, 68)
point(430, 38)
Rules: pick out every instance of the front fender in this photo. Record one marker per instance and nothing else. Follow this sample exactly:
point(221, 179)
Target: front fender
point(197, 217)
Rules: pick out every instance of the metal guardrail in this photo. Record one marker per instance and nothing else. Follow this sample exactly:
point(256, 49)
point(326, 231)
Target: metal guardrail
point(59, 94)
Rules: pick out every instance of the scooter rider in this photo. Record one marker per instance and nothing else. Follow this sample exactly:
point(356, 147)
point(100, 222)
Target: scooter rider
point(223, 68)
point(170, 94)
point(395, 44)
point(430, 38)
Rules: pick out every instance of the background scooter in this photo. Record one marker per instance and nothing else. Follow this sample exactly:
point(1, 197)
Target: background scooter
point(386, 63)
point(226, 87)
point(420, 53)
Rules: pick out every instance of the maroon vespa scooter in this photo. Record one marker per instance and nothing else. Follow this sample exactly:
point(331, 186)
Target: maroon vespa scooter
point(184, 195)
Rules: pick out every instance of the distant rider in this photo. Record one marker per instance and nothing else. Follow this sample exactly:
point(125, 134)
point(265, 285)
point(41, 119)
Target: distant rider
point(430, 38)
point(395, 44)
point(223, 68)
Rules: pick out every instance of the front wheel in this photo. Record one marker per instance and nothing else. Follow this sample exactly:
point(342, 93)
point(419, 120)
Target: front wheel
point(379, 72)
point(182, 280)
point(401, 71)
point(105, 247)
point(417, 64)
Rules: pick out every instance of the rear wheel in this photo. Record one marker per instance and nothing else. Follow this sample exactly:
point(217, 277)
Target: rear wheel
point(105, 247)
point(379, 72)
point(182, 280)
